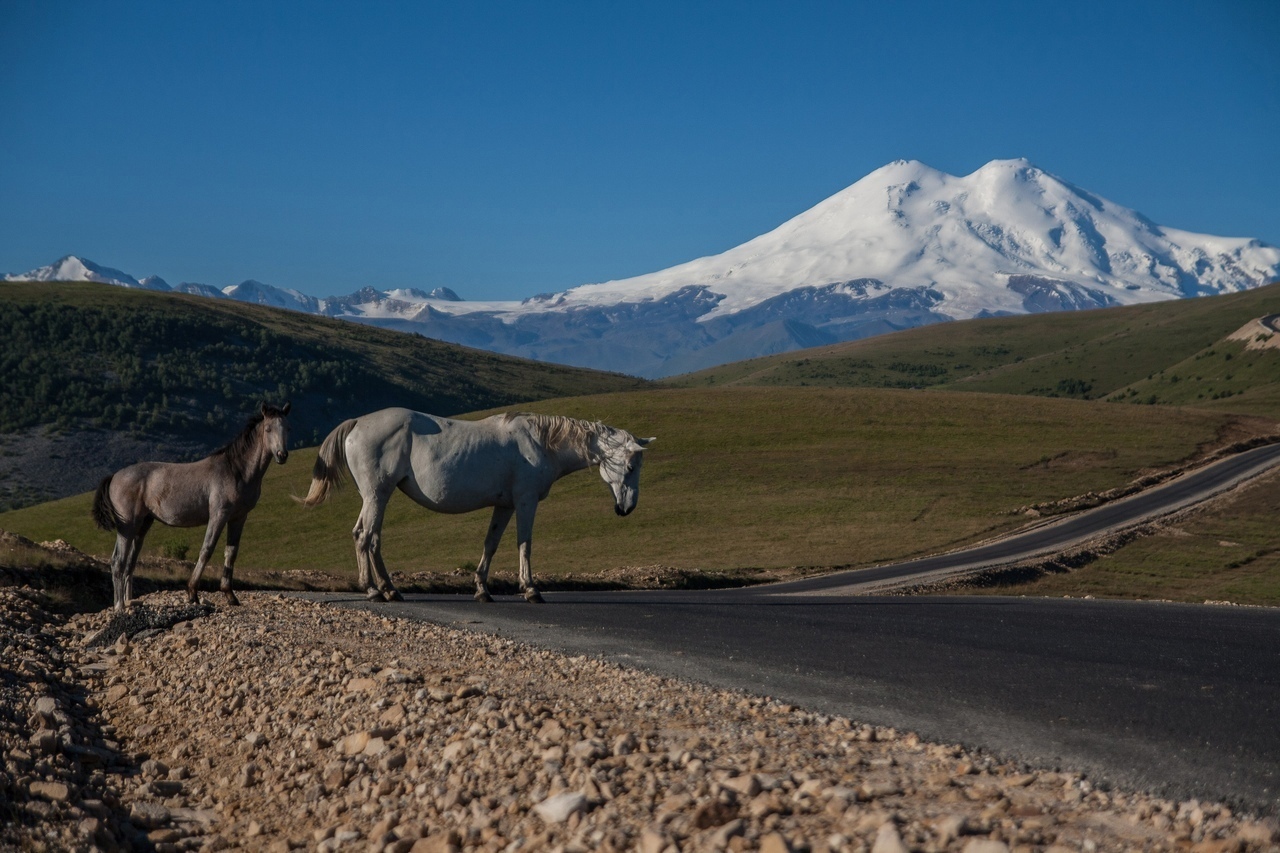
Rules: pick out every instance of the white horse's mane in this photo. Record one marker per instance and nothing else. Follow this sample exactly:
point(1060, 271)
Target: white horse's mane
point(558, 431)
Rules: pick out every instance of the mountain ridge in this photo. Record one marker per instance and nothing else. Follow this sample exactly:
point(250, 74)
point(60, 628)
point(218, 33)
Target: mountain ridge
point(907, 245)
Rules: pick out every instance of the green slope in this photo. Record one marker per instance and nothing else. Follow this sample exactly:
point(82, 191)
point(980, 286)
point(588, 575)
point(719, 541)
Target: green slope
point(1088, 354)
point(185, 371)
point(741, 478)
point(131, 359)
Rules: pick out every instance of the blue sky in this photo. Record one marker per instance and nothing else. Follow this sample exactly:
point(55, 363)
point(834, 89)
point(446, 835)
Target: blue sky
point(507, 149)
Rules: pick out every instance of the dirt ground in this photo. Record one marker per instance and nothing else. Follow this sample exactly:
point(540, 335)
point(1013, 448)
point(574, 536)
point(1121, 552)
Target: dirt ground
point(290, 725)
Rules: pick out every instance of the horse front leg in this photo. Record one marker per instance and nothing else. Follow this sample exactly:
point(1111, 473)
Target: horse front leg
point(497, 526)
point(211, 534)
point(234, 528)
point(119, 566)
point(524, 538)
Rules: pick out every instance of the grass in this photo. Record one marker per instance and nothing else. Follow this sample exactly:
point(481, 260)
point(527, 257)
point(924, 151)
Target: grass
point(1226, 551)
point(1084, 355)
point(740, 479)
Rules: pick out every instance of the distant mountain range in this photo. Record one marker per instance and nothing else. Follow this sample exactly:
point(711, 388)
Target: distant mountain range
point(905, 246)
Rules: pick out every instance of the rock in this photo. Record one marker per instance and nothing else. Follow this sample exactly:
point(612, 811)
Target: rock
point(394, 761)
point(624, 744)
point(248, 776)
point(774, 843)
point(558, 808)
point(153, 769)
point(653, 841)
point(1257, 833)
point(874, 789)
point(888, 840)
point(733, 829)
point(713, 813)
point(148, 815)
point(45, 741)
point(745, 786)
point(445, 842)
point(361, 685)
point(56, 792)
point(587, 750)
point(255, 739)
point(354, 744)
point(985, 845)
point(948, 828)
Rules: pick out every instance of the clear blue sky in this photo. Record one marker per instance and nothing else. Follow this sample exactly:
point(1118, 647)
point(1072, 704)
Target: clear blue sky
point(506, 149)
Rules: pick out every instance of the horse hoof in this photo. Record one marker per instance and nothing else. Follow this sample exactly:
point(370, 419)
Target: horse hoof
point(232, 601)
point(483, 595)
point(533, 596)
point(193, 598)
point(374, 594)
point(392, 595)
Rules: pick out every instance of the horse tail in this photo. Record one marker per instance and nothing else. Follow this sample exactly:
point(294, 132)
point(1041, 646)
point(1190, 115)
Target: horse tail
point(331, 465)
point(104, 512)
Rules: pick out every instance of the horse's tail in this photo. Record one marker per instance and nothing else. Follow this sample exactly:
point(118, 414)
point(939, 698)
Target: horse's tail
point(331, 465)
point(104, 512)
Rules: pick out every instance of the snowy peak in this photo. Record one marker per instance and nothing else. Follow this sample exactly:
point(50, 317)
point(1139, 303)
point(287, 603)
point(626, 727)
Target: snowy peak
point(73, 268)
point(265, 294)
point(910, 225)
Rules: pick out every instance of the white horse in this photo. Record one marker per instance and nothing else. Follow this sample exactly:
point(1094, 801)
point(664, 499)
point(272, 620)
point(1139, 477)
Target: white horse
point(506, 461)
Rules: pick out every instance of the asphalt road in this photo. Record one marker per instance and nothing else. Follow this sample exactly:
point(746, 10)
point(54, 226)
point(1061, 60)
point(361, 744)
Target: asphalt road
point(1179, 700)
point(1048, 538)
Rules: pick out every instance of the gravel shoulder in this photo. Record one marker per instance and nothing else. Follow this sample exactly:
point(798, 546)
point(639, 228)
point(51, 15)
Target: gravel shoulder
point(287, 724)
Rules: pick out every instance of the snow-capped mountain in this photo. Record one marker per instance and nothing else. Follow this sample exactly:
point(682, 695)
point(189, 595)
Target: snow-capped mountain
point(72, 268)
point(904, 246)
point(265, 294)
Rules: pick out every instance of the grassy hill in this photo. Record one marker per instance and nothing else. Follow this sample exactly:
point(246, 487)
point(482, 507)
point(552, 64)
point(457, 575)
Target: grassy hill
point(739, 479)
point(1114, 353)
point(96, 376)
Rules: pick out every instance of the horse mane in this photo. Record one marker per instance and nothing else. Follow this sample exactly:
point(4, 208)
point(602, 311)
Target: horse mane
point(558, 431)
point(237, 450)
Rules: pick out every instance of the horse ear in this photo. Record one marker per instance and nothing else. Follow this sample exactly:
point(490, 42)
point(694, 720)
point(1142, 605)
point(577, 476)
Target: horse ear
point(262, 409)
point(284, 410)
point(644, 442)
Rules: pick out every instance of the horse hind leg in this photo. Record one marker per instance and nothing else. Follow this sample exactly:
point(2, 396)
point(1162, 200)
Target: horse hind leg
point(385, 584)
point(128, 561)
point(368, 540)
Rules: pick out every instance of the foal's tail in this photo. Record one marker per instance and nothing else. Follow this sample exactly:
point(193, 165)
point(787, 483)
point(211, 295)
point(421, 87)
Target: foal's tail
point(331, 465)
point(104, 512)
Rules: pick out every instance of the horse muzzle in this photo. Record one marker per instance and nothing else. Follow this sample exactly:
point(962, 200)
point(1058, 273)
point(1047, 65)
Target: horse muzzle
point(623, 512)
point(282, 456)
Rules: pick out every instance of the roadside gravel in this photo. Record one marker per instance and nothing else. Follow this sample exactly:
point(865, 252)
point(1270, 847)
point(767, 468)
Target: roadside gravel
point(286, 724)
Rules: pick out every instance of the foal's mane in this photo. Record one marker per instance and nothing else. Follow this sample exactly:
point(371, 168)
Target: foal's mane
point(238, 450)
point(557, 431)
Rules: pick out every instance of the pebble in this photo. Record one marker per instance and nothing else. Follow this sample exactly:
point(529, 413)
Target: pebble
point(292, 725)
